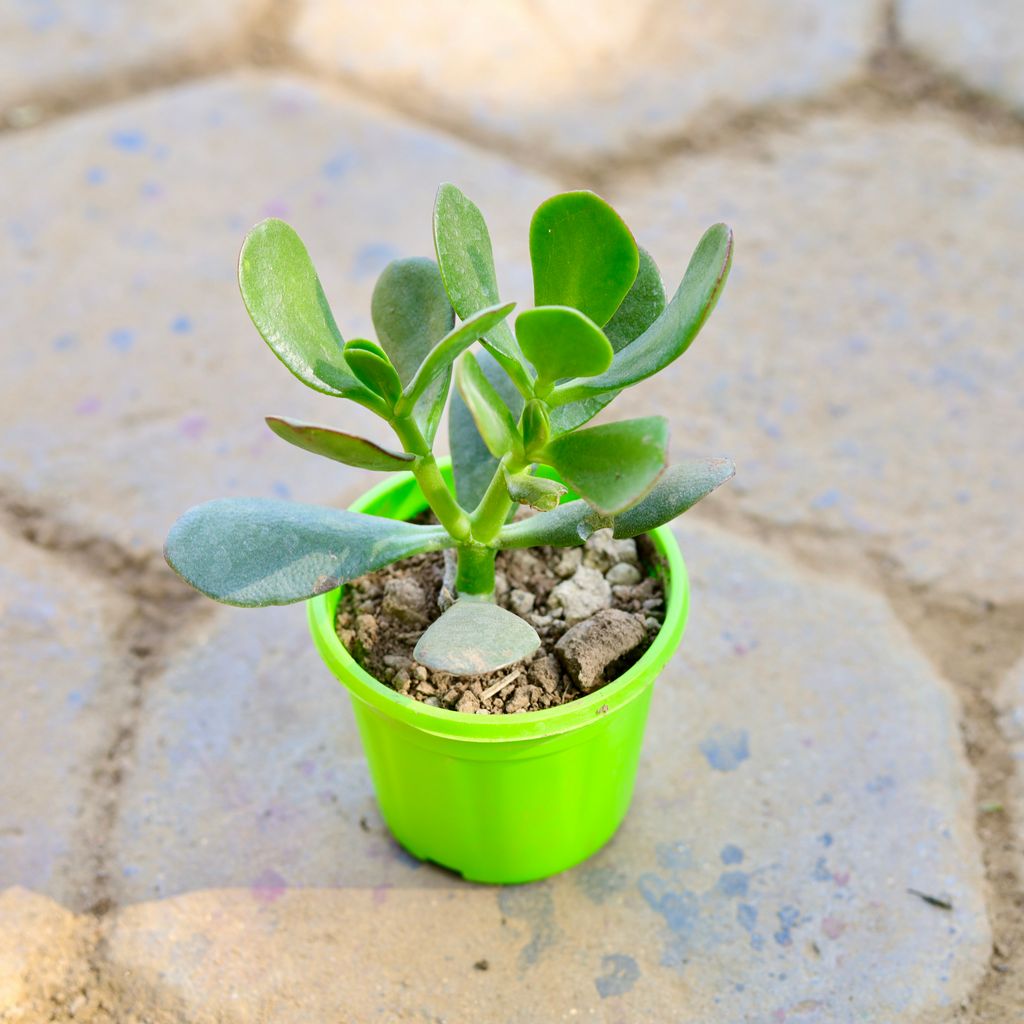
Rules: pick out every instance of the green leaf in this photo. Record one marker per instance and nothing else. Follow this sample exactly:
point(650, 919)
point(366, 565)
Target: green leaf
point(466, 259)
point(473, 637)
point(562, 342)
point(672, 333)
point(679, 488)
point(536, 426)
point(369, 363)
point(583, 255)
point(490, 414)
point(333, 444)
point(284, 298)
point(448, 349)
point(534, 491)
point(612, 466)
point(257, 551)
point(643, 304)
point(411, 313)
point(472, 464)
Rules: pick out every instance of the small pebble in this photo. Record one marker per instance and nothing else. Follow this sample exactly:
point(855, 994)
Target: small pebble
point(432, 701)
point(568, 562)
point(623, 574)
point(521, 602)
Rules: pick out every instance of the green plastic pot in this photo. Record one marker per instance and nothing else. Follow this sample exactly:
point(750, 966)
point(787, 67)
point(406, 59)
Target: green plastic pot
point(502, 798)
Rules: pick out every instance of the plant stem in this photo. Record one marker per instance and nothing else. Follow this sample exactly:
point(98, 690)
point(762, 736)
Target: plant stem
point(448, 511)
point(490, 515)
point(475, 573)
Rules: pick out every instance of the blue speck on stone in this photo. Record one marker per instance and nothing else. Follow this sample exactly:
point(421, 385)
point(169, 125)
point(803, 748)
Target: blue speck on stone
point(827, 499)
point(731, 854)
point(734, 883)
point(129, 140)
point(74, 699)
point(726, 749)
point(746, 914)
point(674, 856)
point(757, 942)
point(64, 342)
point(821, 872)
point(121, 338)
point(880, 783)
point(825, 839)
point(338, 166)
point(181, 325)
point(621, 975)
point(96, 175)
point(789, 918)
point(281, 489)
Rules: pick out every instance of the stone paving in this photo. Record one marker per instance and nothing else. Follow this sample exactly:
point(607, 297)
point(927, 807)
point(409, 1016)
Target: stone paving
point(827, 822)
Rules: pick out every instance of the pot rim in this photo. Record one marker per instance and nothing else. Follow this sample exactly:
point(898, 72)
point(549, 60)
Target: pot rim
point(530, 725)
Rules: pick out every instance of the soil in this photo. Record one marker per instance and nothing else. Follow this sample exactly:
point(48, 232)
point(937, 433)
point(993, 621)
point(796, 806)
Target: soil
point(596, 608)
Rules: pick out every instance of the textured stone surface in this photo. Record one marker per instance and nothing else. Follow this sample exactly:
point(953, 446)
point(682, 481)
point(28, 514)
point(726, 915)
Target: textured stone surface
point(982, 41)
point(56, 46)
point(780, 817)
point(575, 79)
point(59, 673)
point(41, 952)
point(863, 367)
point(250, 773)
point(138, 386)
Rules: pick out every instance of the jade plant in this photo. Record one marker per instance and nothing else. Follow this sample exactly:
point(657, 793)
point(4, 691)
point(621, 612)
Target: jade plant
point(600, 323)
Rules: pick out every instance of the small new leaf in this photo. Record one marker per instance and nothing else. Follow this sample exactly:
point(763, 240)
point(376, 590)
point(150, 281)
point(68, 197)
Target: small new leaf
point(257, 551)
point(333, 444)
point(475, 636)
point(534, 491)
point(612, 466)
point(583, 255)
point(369, 363)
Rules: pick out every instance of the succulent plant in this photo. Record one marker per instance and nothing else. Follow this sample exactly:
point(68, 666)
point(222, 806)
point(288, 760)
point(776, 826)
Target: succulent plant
point(600, 323)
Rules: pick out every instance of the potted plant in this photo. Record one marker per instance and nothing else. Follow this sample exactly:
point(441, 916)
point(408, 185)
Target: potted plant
point(461, 778)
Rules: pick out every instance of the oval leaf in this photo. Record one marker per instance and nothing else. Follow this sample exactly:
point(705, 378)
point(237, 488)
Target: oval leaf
point(679, 488)
point(673, 332)
point(612, 466)
point(473, 637)
point(562, 342)
point(490, 414)
point(473, 466)
point(583, 255)
point(282, 293)
point(464, 254)
point(333, 444)
point(410, 312)
point(256, 551)
point(643, 304)
point(449, 348)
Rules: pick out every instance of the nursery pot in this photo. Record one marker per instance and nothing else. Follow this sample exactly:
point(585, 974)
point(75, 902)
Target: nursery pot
point(502, 798)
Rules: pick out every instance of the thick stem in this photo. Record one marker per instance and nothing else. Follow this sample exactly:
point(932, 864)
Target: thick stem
point(475, 573)
point(490, 515)
point(448, 511)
